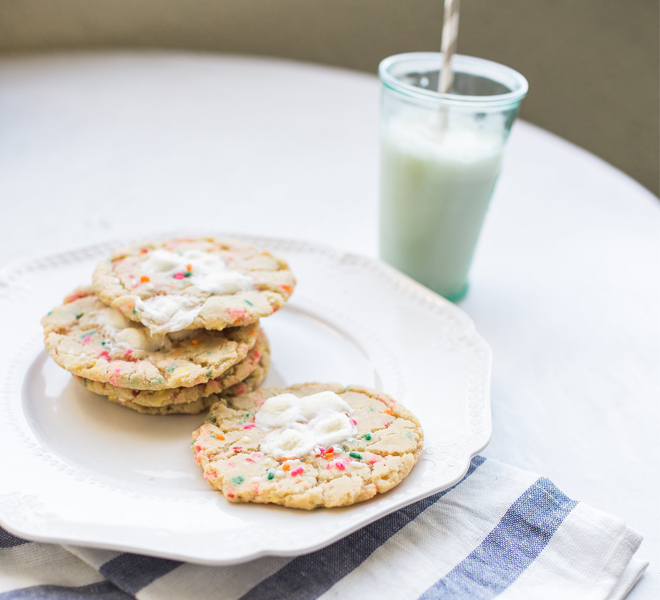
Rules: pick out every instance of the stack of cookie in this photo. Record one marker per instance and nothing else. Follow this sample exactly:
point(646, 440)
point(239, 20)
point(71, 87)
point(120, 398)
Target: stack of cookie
point(168, 325)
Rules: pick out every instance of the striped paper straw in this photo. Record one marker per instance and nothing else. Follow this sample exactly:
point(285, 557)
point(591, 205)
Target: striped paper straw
point(449, 41)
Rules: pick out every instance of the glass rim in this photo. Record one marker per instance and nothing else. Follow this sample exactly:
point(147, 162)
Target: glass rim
point(462, 64)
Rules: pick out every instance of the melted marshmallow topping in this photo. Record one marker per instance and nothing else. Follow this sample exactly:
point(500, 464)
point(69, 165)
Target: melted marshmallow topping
point(209, 273)
point(299, 425)
point(124, 332)
point(162, 314)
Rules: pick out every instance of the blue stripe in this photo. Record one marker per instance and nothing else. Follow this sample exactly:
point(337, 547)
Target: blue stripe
point(103, 590)
point(509, 549)
point(7, 540)
point(307, 577)
point(132, 572)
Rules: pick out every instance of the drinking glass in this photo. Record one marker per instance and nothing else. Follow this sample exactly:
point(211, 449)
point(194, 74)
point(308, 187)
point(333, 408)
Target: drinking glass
point(440, 159)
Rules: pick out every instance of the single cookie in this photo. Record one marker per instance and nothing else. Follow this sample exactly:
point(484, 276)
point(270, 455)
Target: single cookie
point(258, 358)
point(94, 341)
point(307, 446)
point(193, 283)
point(252, 382)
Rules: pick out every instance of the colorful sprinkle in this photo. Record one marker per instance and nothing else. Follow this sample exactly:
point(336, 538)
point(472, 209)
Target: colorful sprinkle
point(179, 275)
point(367, 436)
point(286, 467)
point(194, 342)
point(355, 455)
point(271, 475)
point(298, 471)
point(340, 466)
point(247, 302)
point(144, 279)
point(250, 426)
point(238, 480)
point(143, 250)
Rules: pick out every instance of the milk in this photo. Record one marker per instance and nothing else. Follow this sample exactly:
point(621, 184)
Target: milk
point(437, 177)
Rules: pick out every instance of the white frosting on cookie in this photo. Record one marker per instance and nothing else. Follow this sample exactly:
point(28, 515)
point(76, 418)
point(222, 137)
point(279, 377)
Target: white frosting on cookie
point(289, 443)
point(124, 332)
point(208, 271)
point(223, 282)
point(163, 261)
point(323, 403)
point(139, 339)
point(163, 314)
point(332, 429)
point(204, 270)
point(279, 411)
point(299, 425)
point(112, 319)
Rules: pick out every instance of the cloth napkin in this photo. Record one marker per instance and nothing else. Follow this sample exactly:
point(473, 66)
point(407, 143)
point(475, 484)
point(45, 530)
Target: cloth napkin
point(499, 533)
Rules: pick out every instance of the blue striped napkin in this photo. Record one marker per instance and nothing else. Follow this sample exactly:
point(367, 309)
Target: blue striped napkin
point(500, 532)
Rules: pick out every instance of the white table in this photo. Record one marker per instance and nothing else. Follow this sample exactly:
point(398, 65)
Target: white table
point(565, 285)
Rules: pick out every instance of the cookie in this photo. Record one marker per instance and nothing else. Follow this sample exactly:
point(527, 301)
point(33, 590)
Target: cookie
point(193, 283)
point(308, 445)
point(94, 341)
point(257, 362)
point(252, 382)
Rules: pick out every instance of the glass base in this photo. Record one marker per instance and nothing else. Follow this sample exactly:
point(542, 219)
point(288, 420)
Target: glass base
point(459, 295)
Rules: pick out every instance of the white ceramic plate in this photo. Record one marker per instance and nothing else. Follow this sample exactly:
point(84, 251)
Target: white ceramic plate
point(76, 469)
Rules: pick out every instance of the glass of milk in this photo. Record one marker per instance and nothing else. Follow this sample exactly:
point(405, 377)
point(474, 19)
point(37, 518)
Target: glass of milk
point(440, 158)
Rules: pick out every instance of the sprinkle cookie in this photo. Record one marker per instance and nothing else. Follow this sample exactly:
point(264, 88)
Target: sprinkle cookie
point(94, 341)
point(252, 382)
point(256, 363)
point(307, 446)
point(193, 283)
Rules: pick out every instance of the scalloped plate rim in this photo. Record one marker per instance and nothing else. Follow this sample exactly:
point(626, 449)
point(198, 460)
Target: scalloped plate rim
point(12, 271)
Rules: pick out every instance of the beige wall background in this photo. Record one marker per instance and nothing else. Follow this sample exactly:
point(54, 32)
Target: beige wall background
point(592, 65)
